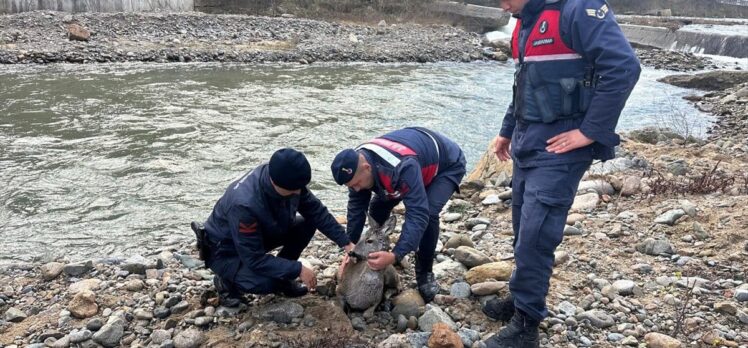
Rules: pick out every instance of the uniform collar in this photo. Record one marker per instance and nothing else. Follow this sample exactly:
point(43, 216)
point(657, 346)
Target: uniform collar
point(374, 169)
point(533, 7)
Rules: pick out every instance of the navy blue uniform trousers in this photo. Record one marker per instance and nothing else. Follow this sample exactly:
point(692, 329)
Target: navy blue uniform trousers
point(438, 192)
point(541, 199)
point(293, 242)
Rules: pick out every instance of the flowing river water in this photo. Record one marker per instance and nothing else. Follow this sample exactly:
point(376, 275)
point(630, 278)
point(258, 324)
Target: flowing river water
point(107, 160)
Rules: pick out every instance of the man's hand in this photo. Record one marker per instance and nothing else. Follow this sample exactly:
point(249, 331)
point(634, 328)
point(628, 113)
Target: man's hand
point(346, 259)
point(349, 247)
point(501, 148)
point(308, 278)
point(380, 259)
point(568, 141)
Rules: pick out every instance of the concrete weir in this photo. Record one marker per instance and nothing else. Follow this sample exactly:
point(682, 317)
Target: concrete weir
point(687, 40)
point(17, 6)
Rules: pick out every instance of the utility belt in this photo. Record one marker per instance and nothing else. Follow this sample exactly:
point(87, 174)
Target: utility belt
point(548, 101)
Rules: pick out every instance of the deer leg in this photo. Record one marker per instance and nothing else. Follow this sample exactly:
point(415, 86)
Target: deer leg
point(391, 279)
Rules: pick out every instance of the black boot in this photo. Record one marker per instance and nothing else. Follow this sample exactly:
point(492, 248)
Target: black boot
point(290, 288)
point(522, 332)
point(227, 297)
point(427, 286)
point(501, 309)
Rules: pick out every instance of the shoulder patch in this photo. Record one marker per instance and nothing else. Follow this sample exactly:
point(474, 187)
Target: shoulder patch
point(247, 228)
point(599, 13)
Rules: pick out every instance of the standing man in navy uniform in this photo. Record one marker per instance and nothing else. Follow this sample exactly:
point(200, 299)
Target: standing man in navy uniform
point(417, 166)
point(574, 72)
point(258, 213)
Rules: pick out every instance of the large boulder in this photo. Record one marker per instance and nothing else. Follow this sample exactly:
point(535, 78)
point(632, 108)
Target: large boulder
point(51, 270)
point(470, 257)
point(432, 316)
point(78, 33)
point(489, 272)
point(658, 340)
point(84, 305)
point(709, 81)
point(489, 166)
point(110, 334)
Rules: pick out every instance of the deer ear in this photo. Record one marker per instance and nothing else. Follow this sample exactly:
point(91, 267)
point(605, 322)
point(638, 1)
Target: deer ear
point(390, 224)
point(372, 223)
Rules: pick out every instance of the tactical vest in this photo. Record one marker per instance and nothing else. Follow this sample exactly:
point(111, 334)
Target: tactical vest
point(392, 153)
point(551, 81)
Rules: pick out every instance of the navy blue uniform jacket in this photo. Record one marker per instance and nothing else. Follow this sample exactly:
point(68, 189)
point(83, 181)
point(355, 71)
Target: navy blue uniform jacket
point(407, 179)
point(600, 42)
point(250, 210)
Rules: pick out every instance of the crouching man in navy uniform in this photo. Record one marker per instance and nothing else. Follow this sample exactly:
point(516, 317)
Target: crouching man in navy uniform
point(417, 166)
point(574, 72)
point(258, 213)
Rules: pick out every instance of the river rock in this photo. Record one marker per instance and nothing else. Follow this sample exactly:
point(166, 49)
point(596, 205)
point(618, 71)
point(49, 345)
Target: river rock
point(688, 207)
point(693, 282)
point(597, 318)
point(283, 312)
point(491, 200)
point(51, 270)
point(190, 338)
point(741, 295)
point(451, 217)
point(626, 287)
point(572, 231)
point(487, 288)
point(726, 308)
point(78, 336)
point(489, 272)
point(136, 264)
point(432, 316)
point(566, 308)
point(160, 336)
point(587, 201)
point(602, 187)
point(460, 290)
point(631, 185)
point(408, 303)
point(469, 337)
point(670, 217)
point(654, 247)
point(14, 315)
point(84, 305)
point(448, 269)
point(560, 257)
point(658, 340)
point(574, 218)
point(78, 269)
point(110, 334)
point(203, 321)
point(94, 324)
point(709, 81)
point(142, 314)
point(85, 284)
point(470, 257)
point(78, 33)
point(134, 285)
point(472, 222)
point(395, 341)
point(442, 336)
point(458, 240)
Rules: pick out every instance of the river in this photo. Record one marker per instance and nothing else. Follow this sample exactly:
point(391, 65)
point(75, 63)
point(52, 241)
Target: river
point(118, 159)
